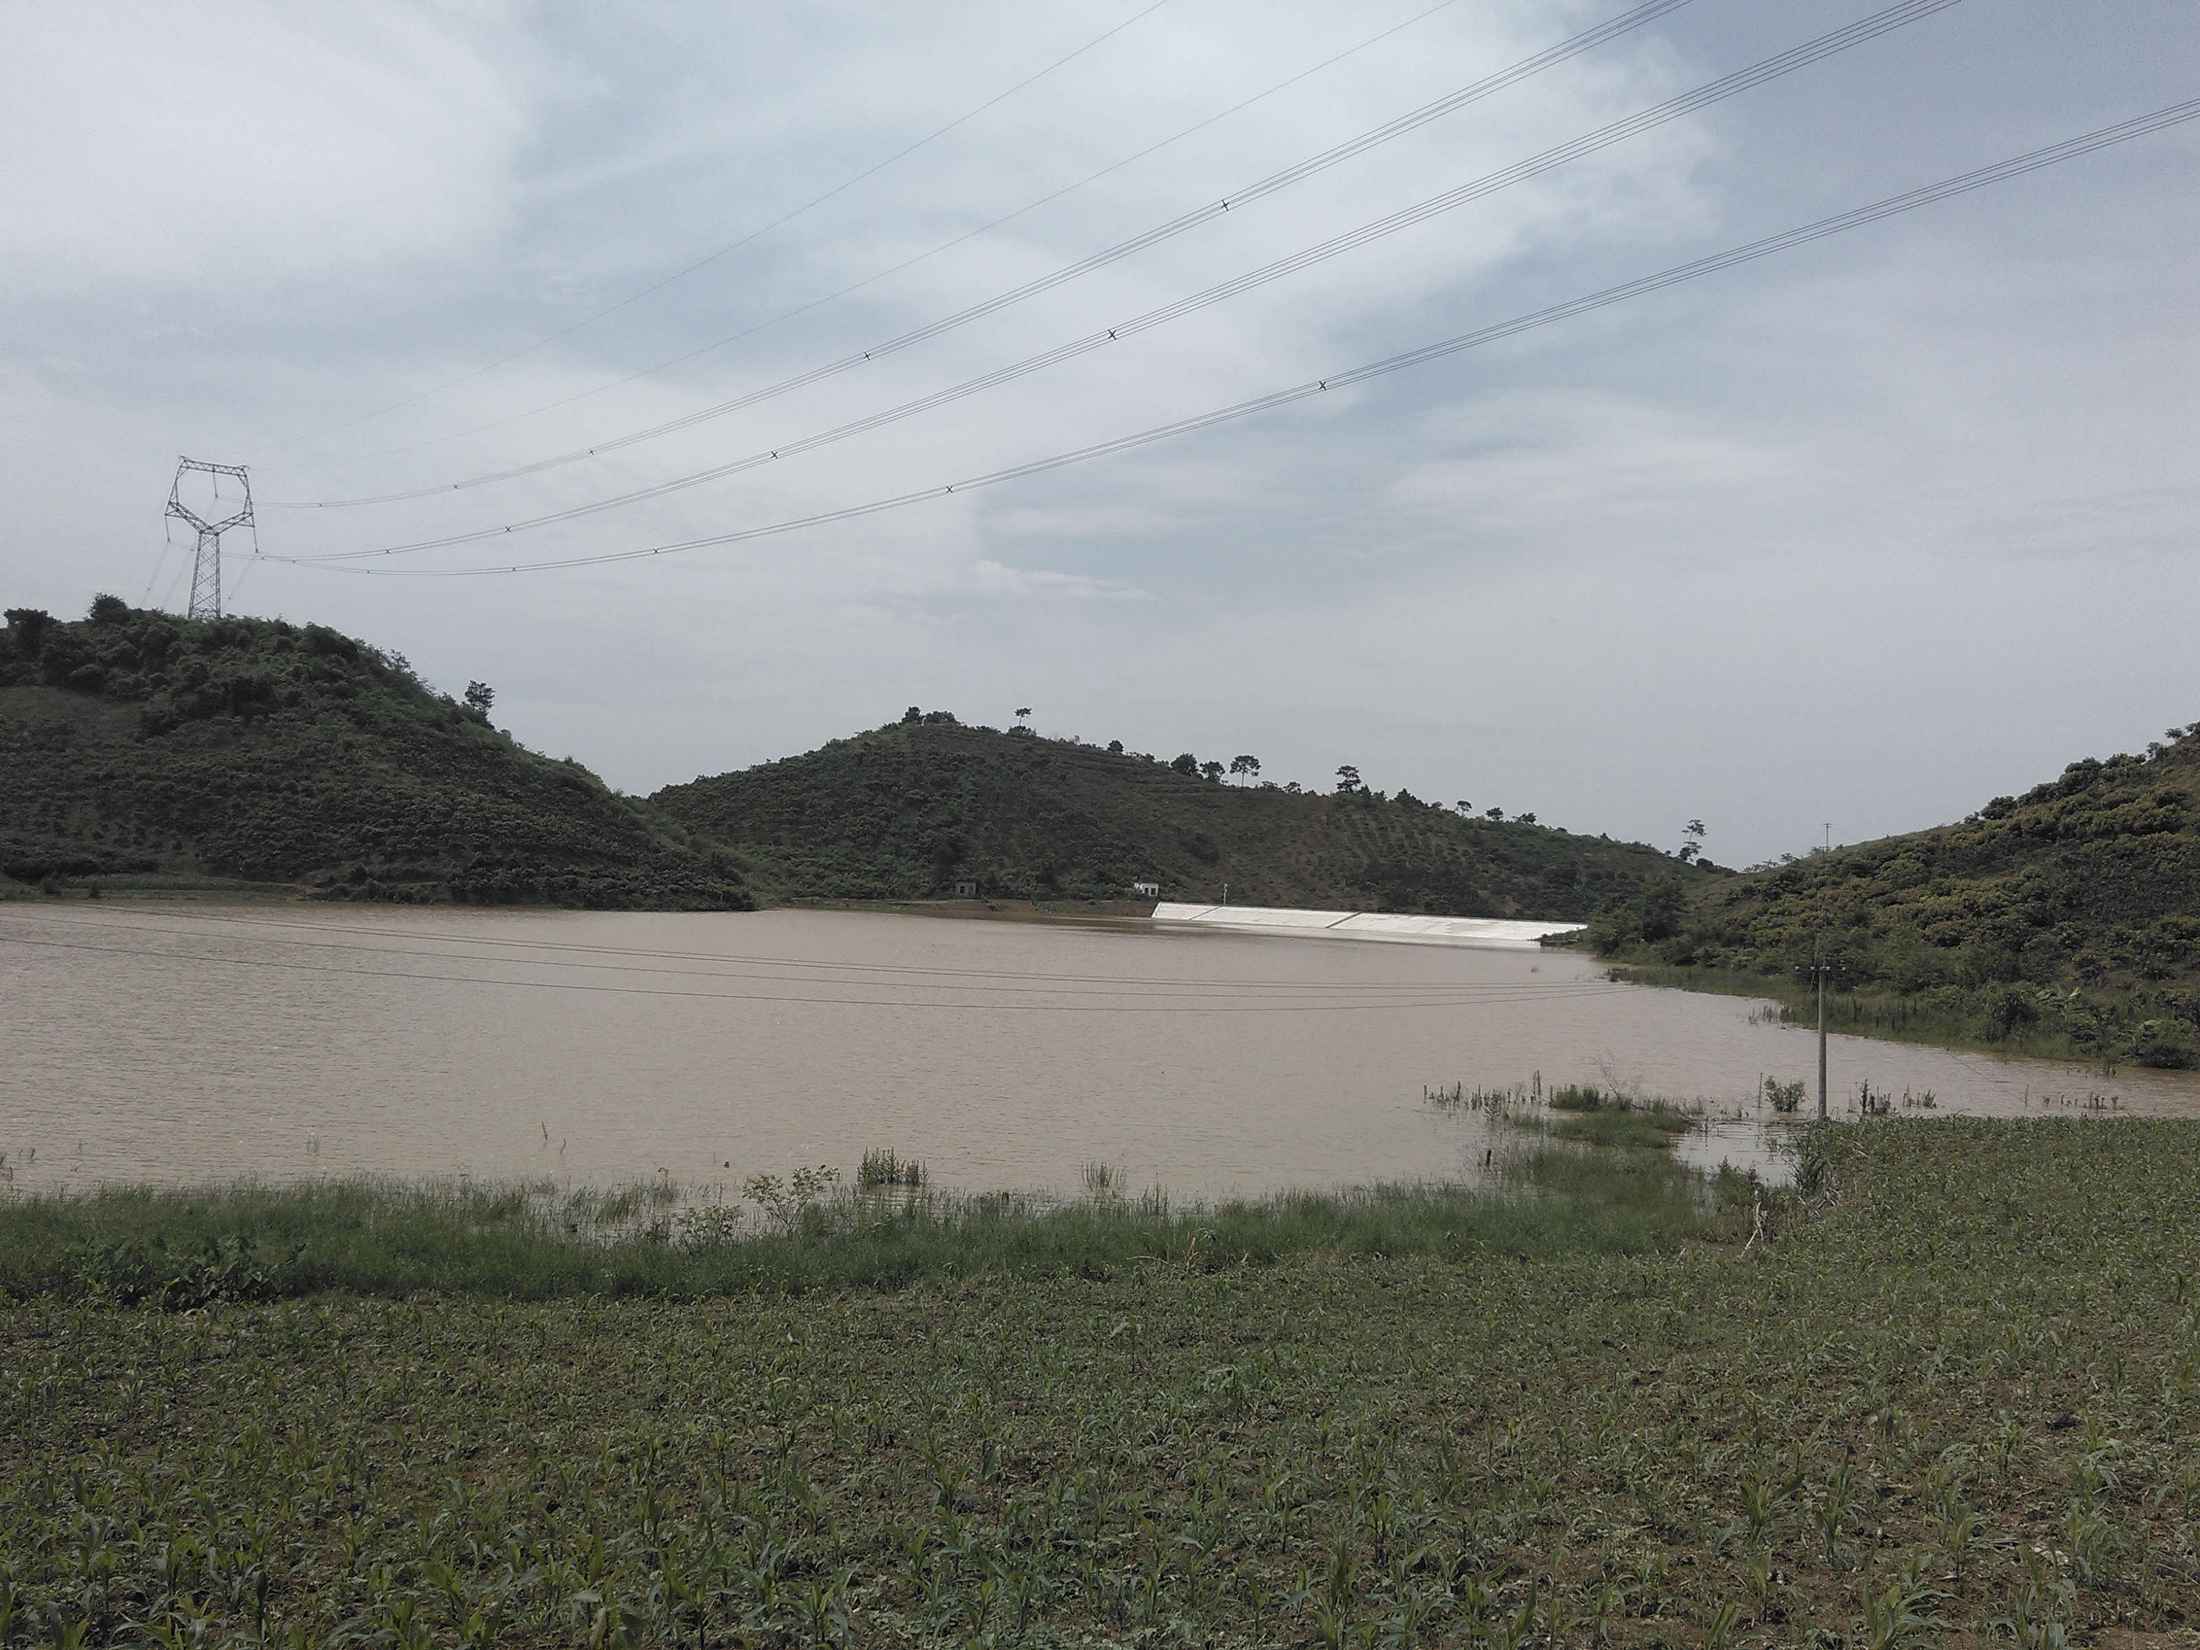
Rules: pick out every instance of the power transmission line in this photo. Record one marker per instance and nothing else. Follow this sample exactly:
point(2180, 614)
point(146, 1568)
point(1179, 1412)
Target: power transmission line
point(1604, 137)
point(1840, 223)
point(1313, 165)
point(732, 246)
point(1422, 986)
point(1556, 994)
point(167, 543)
point(948, 245)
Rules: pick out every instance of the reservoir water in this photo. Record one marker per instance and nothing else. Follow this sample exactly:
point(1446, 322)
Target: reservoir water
point(190, 1043)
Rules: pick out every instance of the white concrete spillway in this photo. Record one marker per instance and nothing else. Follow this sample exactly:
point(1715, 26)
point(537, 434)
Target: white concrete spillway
point(1499, 932)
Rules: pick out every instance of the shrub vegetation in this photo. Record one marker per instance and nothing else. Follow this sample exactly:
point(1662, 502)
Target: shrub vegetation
point(2065, 920)
point(140, 745)
point(913, 809)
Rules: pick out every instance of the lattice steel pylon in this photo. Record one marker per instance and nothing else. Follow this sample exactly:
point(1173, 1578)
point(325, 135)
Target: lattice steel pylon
point(206, 571)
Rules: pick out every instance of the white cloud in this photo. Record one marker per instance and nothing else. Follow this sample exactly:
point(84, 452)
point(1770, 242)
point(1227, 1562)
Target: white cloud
point(256, 143)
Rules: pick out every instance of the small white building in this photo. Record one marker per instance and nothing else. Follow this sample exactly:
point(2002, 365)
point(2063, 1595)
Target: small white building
point(1146, 890)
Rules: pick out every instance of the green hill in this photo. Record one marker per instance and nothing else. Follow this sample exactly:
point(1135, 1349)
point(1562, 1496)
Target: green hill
point(141, 747)
point(911, 809)
point(2064, 920)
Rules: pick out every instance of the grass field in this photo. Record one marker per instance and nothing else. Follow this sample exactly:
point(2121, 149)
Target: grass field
point(1954, 1404)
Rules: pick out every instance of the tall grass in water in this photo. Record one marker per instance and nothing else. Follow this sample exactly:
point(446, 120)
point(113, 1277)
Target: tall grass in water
point(1606, 1117)
point(466, 1238)
point(1102, 1179)
point(1521, 1100)
point(883, 1166)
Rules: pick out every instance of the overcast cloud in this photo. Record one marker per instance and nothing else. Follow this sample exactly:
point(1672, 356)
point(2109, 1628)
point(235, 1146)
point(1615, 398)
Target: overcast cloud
point(1864, 533)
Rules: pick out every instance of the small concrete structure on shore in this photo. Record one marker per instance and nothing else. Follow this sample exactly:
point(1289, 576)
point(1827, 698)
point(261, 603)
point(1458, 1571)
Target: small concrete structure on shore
point(1408, 928)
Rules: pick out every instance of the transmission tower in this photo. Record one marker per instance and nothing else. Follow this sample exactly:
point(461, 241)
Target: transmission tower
point(206, 571)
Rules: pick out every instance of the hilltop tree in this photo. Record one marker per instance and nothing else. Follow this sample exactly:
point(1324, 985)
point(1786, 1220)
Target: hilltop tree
point(1494, 814)
point(1211, 770)
point(912, 714)
point(1186, 764)
point(480, 696)
point(1524, 819)
point(1348, 777)
point(1464, 806)
point(27, 627)
point(108, 609)
point(1115, 747)
point(1246, 767)
point(1692, 849)
point(1023, 714)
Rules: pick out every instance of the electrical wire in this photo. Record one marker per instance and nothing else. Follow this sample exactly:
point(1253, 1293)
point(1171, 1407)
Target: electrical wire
point(1615, 132)
point(1559, 994)
point(892, 969)
point(1785, 240)
point(167, 543)
point(1413, 120)
point(732, 246)
point(986, 228)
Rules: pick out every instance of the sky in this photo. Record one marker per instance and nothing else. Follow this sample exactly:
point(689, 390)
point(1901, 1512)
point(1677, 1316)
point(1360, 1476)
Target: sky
point(1849, 538)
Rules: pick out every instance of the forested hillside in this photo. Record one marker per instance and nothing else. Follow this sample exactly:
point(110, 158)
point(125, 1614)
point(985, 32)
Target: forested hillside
point(913, 808)
point(139, 744)
point(2064, 919)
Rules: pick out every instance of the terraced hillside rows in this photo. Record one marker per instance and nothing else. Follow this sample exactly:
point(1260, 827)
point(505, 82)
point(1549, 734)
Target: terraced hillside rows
point(142, 746)
point(914, 808)
point(2066, 919)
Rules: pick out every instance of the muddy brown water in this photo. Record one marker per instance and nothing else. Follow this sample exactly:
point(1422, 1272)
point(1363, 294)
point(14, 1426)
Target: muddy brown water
point(198, 1043)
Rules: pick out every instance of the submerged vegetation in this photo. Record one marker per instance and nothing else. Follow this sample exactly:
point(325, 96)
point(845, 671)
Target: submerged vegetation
point(2065, 921)
point(1951, 1400)
point(1586, 1115)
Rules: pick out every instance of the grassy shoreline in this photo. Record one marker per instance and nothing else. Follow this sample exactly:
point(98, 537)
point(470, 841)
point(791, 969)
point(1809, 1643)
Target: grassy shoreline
point(1886, 1014)
point(184, 1246)
point(1953, 1406)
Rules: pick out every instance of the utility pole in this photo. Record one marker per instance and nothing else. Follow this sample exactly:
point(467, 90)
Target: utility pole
point(1821, 972)
point(206, 569)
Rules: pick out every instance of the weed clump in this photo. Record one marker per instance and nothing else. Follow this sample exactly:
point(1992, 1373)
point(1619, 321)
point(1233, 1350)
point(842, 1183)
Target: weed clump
point(147, 1272)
